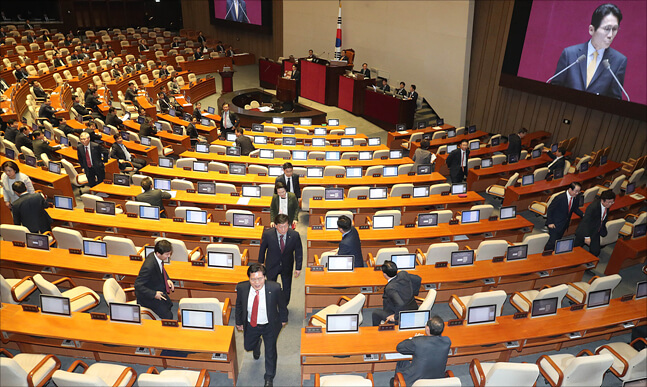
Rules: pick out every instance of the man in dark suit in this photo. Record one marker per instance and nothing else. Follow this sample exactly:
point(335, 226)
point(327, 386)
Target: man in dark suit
point(58, 61)
point(350, 243)
point(147, 129)
point(413, 94)
point(29, 209)
point(39, 92)
point(80, 109)
point(558, 214)
point(284, 202)
point(399, 293)
point(201, 38)
point(559, 161)
point(142, 46)
point(151, 196)
point(152, 285)
point(41, 145)
point(401, 90)
point(259, 322)
point(19, 73)
point(243, 142)
point(220, 47)
point(457, 162)
point(96, 45)
point(594, 222)
point(290, 179)
point(591, 75)
point(429, 353)
point(91, 156)
point(131, 94)
point(112, 118)
point(22, 139)
point(192, 131)
point(237, 11)
point(93, 102)
point(365, 71)
point(12, 130)
point(296, 76)
point(280, 249)
point(124, 158)
point(46, 110)
point(228, 121)
point(385, 86)
point(311, 55)
point(514, 143)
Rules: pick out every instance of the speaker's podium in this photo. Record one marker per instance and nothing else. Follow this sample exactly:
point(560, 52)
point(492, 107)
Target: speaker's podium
point(286, 89)
point(227, 76)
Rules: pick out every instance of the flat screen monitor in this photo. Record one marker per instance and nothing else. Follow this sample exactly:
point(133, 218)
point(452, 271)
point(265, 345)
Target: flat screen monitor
point(513, 159)
point(10, 153)
point(63, 202)
point(48, 134)
point(374, 141)
point(171, 112)
point(404, 261)
point(237, 169)
point(558, 174)
point(30, 160)
point(346, 141)
point(277, 120)
point(390, 171)
point(333, 155)
point(127, 313)
point(149, 212)
point(508, 212)
point(381, 222)
point(221, 260)
point(299, 155)
point(95, 248)
point(243, 220)
point(564, 246)
point(517, 252)
point(266, 154)
point(451, 148)
point(231, 137)
point(423, 169)
point(631, 187)
point(202, 147)
point(146, 141)
point(341, 262)
point(342, 323)
point(528, 180)
point(470, 216)
point(197, 319)
point(462, 258)
point(251, 191)
point(554, 148)
point(318, 141)
point(440, 122)
point(365, 155)
point(65, 142)
point(421, 124)
point(475, 145)
point(37, 241)
point(495, 141)
point(211, 110)
point(413, 319)
point(603, 159)
point(206, 187)
point(331, 222)
point(353, 171)
point(599, 298)
point(205, 122)
point(451, 133)
point(158, 127)
point(421, 192)
point(486, 163)
point(275, 170)
point(641, 290)
point(196, 217)
point(334, 194)
point(427, 220)
point(125, 136)
point(536, 153)
point(163, 184)
point(165, 162)
point(232, 151)
point(350, 131)
point(289, 141)
point(584, 166)
point(54, 167)
point(471, 129)
point(377, 193)
point(395, 154)
point(481, 314)
point(120, 179)
point(640, 230)
point(262, 140)
point(305, 121)
point(106, 208)
point(320, 132)
point(55, 305)
point(333, 122)
point(140, 120)
point(257, 128)
point(544, 307)
point(314, 172)
point(201, 166)
point(400, 127)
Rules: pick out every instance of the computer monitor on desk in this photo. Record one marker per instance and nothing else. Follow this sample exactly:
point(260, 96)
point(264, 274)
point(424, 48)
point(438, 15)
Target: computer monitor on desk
point(37, 241)
point(451, 148)
point(149, 212)
point(486, 163)
point(377, 193)
point(288, 130)
point(243, 220)
point(639, 230)
point(509, 212)
point(56, 305)
point(544, 307)
point(564, 246)
point(275, 170)
point(237, 169)
point(232, 151)
point(126, 313)
point(277, 120)
point(305, 121)
point(527, 180)
point(517, 252)
point(63, 202)
point(332, 155)
point(266, 154)
point(95, 248)
point(341, 263)
point(423, 169)
point(251, 191)
point(197, 319)
point(366, 155)
point(390, 171)
point(413, 319)
point(221, 260)
point(641, 290)
point(404, 261)
point(427, 220)
point(333, 122)
point(374, 141)
point(599, 298)
point(201, 166)
point(314, 172)
point(475, 145)
point(350, 131)
point(299, 155)
point(481, 314)
point(318, 141)
point(331, 222)
point(231, 137)
point(206, 187)
point(106, 208)
point(381, 222)
point(421, 191)
point(289, 141)
point(163, 184)
point(460, 188)
point(462, 258)
point(334, 194)
point(54, 167)
point(120, 179)
point(354, 172)
point(201, 147)
point(262, 140)
point(320, 132)
point(196, 217)
point(165, 162)
point(346, 141)
point(395, 154)
point(342, 323)
point(470, 216)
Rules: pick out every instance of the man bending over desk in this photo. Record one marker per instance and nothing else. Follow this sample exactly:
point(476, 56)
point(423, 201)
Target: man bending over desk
point(399, 293)
point(153, 196)
point(152, 285)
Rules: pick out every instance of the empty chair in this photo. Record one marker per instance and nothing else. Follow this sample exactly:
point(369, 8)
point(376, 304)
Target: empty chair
point(535, 242)
point(428, 302)
point(217, 149)
point(540, 174)
point(344, 380)
point(308, 193)
point(161, 150)
point(503, 374)
point(485, 210)
point(628, 227)
point(634, 178)
point(490, 249)
point(132, 206)
point(67, 238)
point(444, 216)
point(613, 229)
point(180, 212)
point(121, 246)
point(449, 381)
point(472, 162)
point(14, 291)
point(113, 292)
point(404, 169)
point(81, 298)
point(27, 369)
point(384, 254)
point(578, 292)
point(401, 189)
point(439, 134)
point(334, 170)
point(354, 192)
point(378, 154)
point(314, 155)
point(216, 166)
point(522, 301)
point(337, 213)
point(541, 208)
point(590, 194)
point(569, 370)
point(438, 189)
point(498, 159)
point(77, 179)
point(176, 378)
point(181, 253)
point(181, 184)
point(628, 363)
point(225, 188)
point(349, 155)
point(267, 190)
point(374, 170)
point(256, 169)
point(351, 306)
point(90, 201)
point(323, 260)
point(97, 374)
point(11, 232)
point(397, 215)
point(437, 252)
point(238, 258)
point(499, 190)
point(221, 310)
point(460, 305)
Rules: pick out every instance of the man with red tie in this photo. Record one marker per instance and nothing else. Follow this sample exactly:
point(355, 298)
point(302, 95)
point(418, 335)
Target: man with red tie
point(261, 312)
point(594, 222)
point(91, 156)
point(152, 285)
point(457, 162)
point(558, 215)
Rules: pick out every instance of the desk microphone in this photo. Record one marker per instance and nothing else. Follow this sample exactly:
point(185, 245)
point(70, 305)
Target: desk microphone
point(578, 60)
point(607, 65)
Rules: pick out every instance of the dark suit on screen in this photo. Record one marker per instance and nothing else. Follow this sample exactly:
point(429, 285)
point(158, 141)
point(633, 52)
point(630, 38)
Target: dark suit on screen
point(559, 215)
point(456, 172)
point(351, 245)
point(514, 145)
point(591, 226)
point(399, 294)
point(95, 172)
point(231, 14)
point(29, 210)
point(602, 82)
point(149, 281)
point(154, 198)
point(277, 262)
point(429, 358)
point(295, 184)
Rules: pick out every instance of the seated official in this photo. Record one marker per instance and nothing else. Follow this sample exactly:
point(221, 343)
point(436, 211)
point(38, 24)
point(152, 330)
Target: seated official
point(11, 174)
point(112, 119)
point(174, 88)
point(152, 285)
point(401, 90)
point(131, 93)
point(19, 73)
point(244, 143)
point(514, 143)
point(559, 161)
point(41, 145)
point(29, 209)
point(120, 152)
point(147, 129)
point(39, 92)
point(93, 102)
point(152, 196)
point(12, 130)
point(284, 202)
point(116, 71)
point(423, 155)
point(229, 52)
point(365, 71)
point(80, 109)
point(142, 46)
point(58, 61)
point(344, 57)
point(350, 243)
point(220, 47)
point(197, 111)
point(399, 293)
point(23, 139)
point(385, 86)
point(47, 111)
point(139, 65)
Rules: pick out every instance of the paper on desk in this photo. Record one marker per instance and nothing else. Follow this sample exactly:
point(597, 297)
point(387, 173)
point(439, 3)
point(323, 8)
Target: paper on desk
point(433, 158)
point(437, 127)
point(172, 193)
point(265, 108)
point(243, 200)
point(403, 132)
point(396, 356)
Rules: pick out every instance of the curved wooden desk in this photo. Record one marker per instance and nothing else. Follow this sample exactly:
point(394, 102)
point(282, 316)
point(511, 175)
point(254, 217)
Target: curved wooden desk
point(50, 183)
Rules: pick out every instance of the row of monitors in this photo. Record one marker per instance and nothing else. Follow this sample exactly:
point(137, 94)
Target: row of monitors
point(52, 166)
point(451, 133)
point(292, 141)
point(381, 192)
point(349, 131)
point(280, 121)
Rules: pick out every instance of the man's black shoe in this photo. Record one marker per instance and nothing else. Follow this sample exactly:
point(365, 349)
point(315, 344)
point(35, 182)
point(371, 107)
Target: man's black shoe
point(257, 350)
point(269, 383)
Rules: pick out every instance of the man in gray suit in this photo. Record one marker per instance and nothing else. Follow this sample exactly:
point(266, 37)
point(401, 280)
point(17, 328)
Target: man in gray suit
point(429, 354)
point(152, 196)
point(399, 293)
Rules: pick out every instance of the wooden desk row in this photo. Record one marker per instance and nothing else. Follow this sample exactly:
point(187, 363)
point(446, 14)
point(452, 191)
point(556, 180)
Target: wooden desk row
point(117, 342)
point(305, 145)
point(394, 139)
point(323, 353)
point(437, 143)
point(627, 252)
point(479, 179)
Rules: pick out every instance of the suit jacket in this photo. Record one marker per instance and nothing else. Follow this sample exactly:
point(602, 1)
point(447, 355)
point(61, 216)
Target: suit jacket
point(113, 120)
point(270, 252)
point(366, 73)
point(201, 39)
point(557, 165)
point(97, 155)
point(80, 109)
point(558, 213)
point(245, 144)
point(131, 96)
point(399, 293)
point(39, 92)
point(147, 130)
point(429, 357)
point(402, 92)
point(93, 103)
point(220, 48)
point(42, 146)
point(20, 74)
point(295, 183)
point(296, 75)
point(29, 210)
point(454, 160)
point(48, 112)
point(414, 96)
point(150, 279)
point(22, 140)
point(590, 226)
point(153, 197)
point(602, 82)
point(242, 11)
point(11, 133)
point(58, 62)
point(277, 311)
point(197, 114)
point(293, 207)
point(385, 88)
point(142, 47)
point(421, 156)
point(514, 145)
point(233, 117)
point(117, 153)
point(192, 131)
point(351, 245)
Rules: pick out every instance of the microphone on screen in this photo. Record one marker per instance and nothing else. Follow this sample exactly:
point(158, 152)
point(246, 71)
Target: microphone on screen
point(607, 65)
point(578, 60)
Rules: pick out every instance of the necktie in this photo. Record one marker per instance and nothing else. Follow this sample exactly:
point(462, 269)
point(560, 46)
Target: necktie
point(88, 159)
point(168, 288)
point(591, 69)
point(282, 244)
point(289, 186)
point(254, 317)
point(462, 159)
point(604, 213)
point(570, 202)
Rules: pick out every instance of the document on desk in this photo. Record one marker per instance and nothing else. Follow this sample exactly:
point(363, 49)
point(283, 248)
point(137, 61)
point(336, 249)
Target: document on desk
point(437, 127)
point(403, 132)
point(265, 109)
point(396, 356)
point(172, 193)
point(433, 158)
point(243, 200)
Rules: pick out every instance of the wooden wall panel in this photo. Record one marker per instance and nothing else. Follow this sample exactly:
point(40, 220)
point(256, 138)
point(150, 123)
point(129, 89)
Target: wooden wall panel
point(502, 110)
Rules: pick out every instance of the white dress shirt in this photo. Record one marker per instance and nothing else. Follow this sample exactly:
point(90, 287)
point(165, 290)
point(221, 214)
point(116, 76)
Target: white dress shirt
point(554, 161)
point(463, 158)
point(261, 317)
point(125, 150)
point(228, 123)
point(589, 56)
point(283, 205)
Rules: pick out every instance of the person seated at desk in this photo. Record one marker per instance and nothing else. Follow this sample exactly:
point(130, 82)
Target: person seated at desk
point(139, 65)
point(152, 285)
point(124, 158)
point(230, 51)
point(311, 55)
point(559, 160)
point(197, 111)
point(365, 71)
point(429, 353)
point(385, 86)
point(47, 111)
point(19, 73)
point(290, 180)
point(164, 102)
point(197, 54)
point(31, 38)
point(77, 55)
point(131, 93)
point(96, 45)
point(350, 243)
point(514, 143)
point(243, 142)
point(457, 162)
point(284, 202)
point(39, 92)
point(12, 130)
point(91, 129)
point(220, 47)
point(594, 222)
point(176, 43)
point(344, 57)
point(80, 109)
point(173, 86)
point(423, 156)
point(153, 197)
point(23, 139)
point(413, 94)
point(128, 68)
point(163, 71)
point(93, 102)
point(401, 90)
point(67, 42)
point(147, 128)
point(167, 102)
point(91, 88)
point(29, 209)
point(399, 294)
point(116, 72)
point(228, 122)
point(11, 174)
point(58, 61)
point(112, 119)
point(142, 46)
point(4, 86)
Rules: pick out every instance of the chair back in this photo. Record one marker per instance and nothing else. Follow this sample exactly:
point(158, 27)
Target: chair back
point(137, 179)
point(156, 380)
point(90, 201)
point(404, 169)
point(374, 169)
point(490, 249)
point(323, 259)
point(216, 166)
point(11, 373)
point(485, 210)
point(113, 292)
point(46, 287)
point(67, 238)
point(636, 176)
point(438, 252)
point(613, 228)
point(384, 254)
point(5, 292)
point(308, 193)
point(494, 297)
point(590, 193)
point(180, 212)
point(442, 382)
point(225, 188)
point(181, 184)
point(504, 374)
point(334, 170)
point(428, 303)
point(354, 192)
point(498, 159)
point(355, 305)
point(587, 370)
point(208, 304)
point(119, 246)
point(540, 174)
point(132, 206)
point(438, 189)
point(535, 242)
point(256, 169)
point(226, 248)
point(472, 162)
point(444, 216)
point(637, 366)
point(603, 283)
point(267, 190)
point(401, 189)
point(180, 252)
point(558, 291)
point(11, 232)
point(512, 180)
point(73, 379)
point(345, 381)
point(397, 215)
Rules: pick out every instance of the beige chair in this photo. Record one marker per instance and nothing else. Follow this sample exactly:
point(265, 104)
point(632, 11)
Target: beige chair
point(77, 179)
point(628, 227)
point(438, 189)
point(499, 190)
point(490, 249)
point(81, 298)
point(344, 380)
point(181, 253)
point(634, 178)
point(578, 292)
point(460, 305)
point(397, 215)
point(437, 252)
point(26, 369)
point(568, 370)
point(113, 292)
point(68, 238)
point(404, 169)
point(239, 259)
point(308, 193)
point(185, 162)
point(397, 190)
point(613, 229)
point(181, 184)
point(354, 192)
point(90, 201)
point(225, 188)
point(176, 378)
point(384, 254)
point(216, 166)
point(221, 310)
point(502, 374)
point(615, 185)
point(485, 210)
point(256, 169)
point(334, 170)
point(132, 206)
point(535, 242)
point(161, 149)
point(121, 246)
point(352, 306)
point(11, 232)
point(14, 291)
point(522, 301)
point(428, 302)
point(444, 216)
point(449, 381)
point(589, 194)
point(97, 374)
point(541, 208)
point(180, 211)
point(628, 363)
